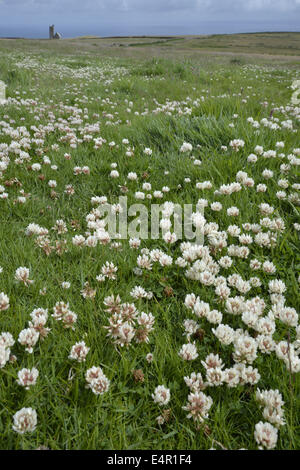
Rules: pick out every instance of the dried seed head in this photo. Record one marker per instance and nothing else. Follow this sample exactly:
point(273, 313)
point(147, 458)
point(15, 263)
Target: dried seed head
point(138, 375)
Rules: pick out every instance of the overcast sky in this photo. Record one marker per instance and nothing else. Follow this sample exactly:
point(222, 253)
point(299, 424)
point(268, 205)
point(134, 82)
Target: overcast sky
point(31, 18)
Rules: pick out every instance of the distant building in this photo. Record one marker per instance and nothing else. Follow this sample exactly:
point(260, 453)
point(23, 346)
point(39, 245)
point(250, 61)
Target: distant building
point(53, 35)
point(51, 31)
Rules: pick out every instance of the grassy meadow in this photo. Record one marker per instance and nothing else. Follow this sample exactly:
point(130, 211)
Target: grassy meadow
point(160, 121)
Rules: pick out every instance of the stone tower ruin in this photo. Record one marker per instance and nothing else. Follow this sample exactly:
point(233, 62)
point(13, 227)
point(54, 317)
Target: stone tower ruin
point(51, 31)
point(53, 35)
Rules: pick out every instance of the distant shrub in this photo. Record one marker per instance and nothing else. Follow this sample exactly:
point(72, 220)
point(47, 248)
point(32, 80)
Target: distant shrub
point(151, 68)
point(237, 61)
point(180, 70)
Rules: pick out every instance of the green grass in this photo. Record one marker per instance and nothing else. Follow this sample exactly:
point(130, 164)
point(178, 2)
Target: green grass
point(69, 415)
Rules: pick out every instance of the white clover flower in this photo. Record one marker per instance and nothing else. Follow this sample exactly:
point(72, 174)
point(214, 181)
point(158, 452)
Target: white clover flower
point(28, 338)
point(216, 206)
point(6, 340)
point(265, 435)
point(259, 149)
point(214, 316)
point(212, 361)
point(231, 377)
point(79, 352)
point(170, 238)
point(190, 327)
point(27, 377)
point(272, 402)
point(289, 316)
point(245, 349)
point(134, 243)
point(269, 267)
point(277, 287)
point(36, 167)
point(97, 380)
point(161, 395)
point(126, 333)
point(225, 262)
point(195, 382)
point(233, 230)
point(25, 420)
point(22, 275)
point(165, 189)
point(149, 357)
point(237, 144)
point(248, 375)
point(4, 301)
point(214, 376)
point(186, 147)
point(198, 406)
point(265, 343)
point(66, 285)
point(114, 174)
point(139, 292)
point(233, 211)
point(204, 185)
point(132, 176)
point(188, 352)
point(4, 355)
point(252, 158)
point(198, 220)
point(267, 174)
point(146, 186)
point(139, 195)
point(190, 301)
point(224, 333)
